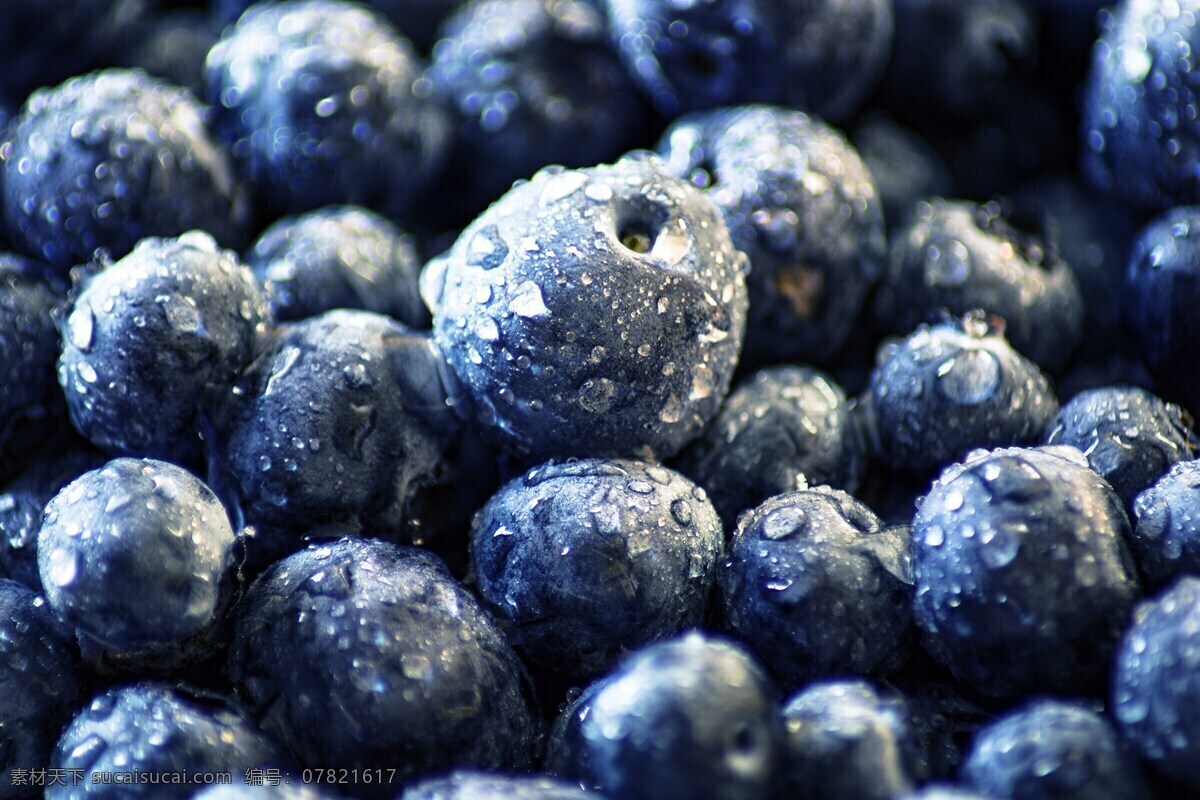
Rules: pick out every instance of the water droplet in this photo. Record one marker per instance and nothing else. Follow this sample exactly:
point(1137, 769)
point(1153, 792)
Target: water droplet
point(61, 566)
point(673, 242)
point(82, 328)
point(264, 463)
point(672, 410)
point(702, 382)
point(599, 191)
point(487, 329)
point(487, 249)
point(971, 377)
point(596, 395)
point(784, 522)
point(283, 362)
point(525, 300)
point(640, 487)
point(561, 186)
point(87, 372)
point(948, 265)
point(935, 536)
point(681, 510)
point(182, 314)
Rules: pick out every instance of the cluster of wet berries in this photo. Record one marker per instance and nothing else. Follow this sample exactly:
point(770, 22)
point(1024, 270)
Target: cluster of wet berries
point(774, 461)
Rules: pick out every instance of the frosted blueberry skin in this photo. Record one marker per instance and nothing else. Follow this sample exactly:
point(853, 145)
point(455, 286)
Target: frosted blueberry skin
point(783, 429)
point(1053, 750)
point(959, 257)
point(815, 586)
point(906, 168)
point(138, 559)
point(951, 388)
point(801, 204)
point(109, 158)
point(689, 717)
point(1128, 435)
point(531, 82)
point(339, 257)
point(580, 561)
point(482, 786)
point(1023, 571)
point(595, 312)
point(1140, 142)
point(155, 728)
point(317, 99)
point(162, 328)
point(845, 741)
point(1166, 535)
point(1156, 688)
point(40, 684)
point(362, 654)
point(419, 20)
point(338, 423)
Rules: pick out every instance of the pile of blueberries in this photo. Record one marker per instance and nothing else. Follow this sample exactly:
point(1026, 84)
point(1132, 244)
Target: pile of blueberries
point(544, 399)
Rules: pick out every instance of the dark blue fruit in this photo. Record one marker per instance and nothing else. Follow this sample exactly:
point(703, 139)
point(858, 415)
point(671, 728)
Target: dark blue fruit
point(1166, 536)
point(173, 46)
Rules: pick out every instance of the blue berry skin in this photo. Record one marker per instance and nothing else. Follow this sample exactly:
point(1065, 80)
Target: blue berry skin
point(138, 559)
point(1128, 435)
point(906, 168)
point(1156, 687)
point(1141, 142)
point(1166, 535)
point(959, 257)
point(362, 654)
point(319, 100)
point(581, 561)
point(951, 388)
point(783, 429)
point(419, 20)
point(40, 683)
point(171, 322)
point(531, 82)
point(801, 204)
point(1160, 291)
point(1053, 750)
point(337, 423)
point(846, 741)
point(482, 786)
point(339, 257)
point(688, 717)
point(1024, 575)
point(815, 586)
point(110, 158)
point(595, 312)
point(153, 728)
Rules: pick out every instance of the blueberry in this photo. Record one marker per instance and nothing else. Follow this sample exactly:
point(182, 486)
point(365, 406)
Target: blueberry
point(1156, 688)
point(953, 387)
point(138, 559)
point(39, 685)
point(959, 257)
point(688, 717)
point(149, 732)
point(481, 786)
point(1129, 436)
point(417, 19)
point(905, 167)
point(845, 741)
point(1166, 536)
point(110, 158)
point(567, 755)
point(339, 257)
point(319, 99)
point(1141, 142)
point(1024, 575)
point(815, 586)
point(1053, 750)
point(592, 312)
point(781, 430)
point(361, 654)
point(583, 560)
point(801, 204)
point(532, 82)
point(159, 329)
point(337, 423)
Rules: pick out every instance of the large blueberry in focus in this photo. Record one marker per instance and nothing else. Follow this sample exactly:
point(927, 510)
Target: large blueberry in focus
point(338, 423)
point(958, 257)
point(951, 388)
point(815, 586)
point(595, 312)
point(110, 158)
point(685, 718)
point(1140, 134)
point(1053, 750)
point(482, 786)
point(783, 429)
point(151, 335)
point(339, 257)
point(319, 99)
point(1024, 574)
point(39, 685)
point(1156, 686)
point(1128, 435)
point(801, 204)
point(152, 729)
point(362, 654)
point(1166, 535)
point(138, 558)
point(583, 560)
